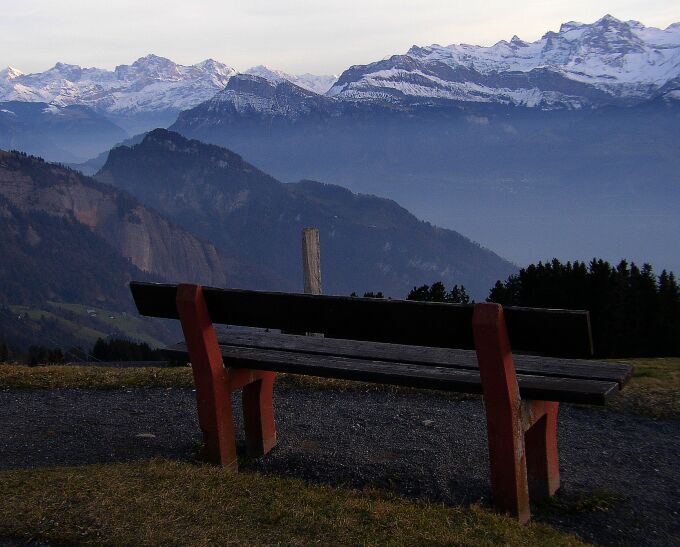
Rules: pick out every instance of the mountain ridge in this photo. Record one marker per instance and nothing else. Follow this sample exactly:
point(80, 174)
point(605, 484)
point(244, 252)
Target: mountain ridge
point(625, 62)
point(367, 243)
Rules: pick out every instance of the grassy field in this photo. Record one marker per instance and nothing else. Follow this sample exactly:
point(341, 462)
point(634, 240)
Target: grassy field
point(67, 376)
point(654, 390)
point(87, 326)
point(164, 502)
point(132, 326)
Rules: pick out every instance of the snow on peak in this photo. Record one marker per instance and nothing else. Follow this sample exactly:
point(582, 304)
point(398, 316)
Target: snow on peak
point(151, 83)
point(620, 59)
point(10, 73)
point(311, 82)
point(270, 74)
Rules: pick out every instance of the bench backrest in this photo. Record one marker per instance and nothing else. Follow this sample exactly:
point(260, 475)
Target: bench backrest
point(544, 331)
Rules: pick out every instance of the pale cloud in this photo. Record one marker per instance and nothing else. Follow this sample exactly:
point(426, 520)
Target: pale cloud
point(294, 35)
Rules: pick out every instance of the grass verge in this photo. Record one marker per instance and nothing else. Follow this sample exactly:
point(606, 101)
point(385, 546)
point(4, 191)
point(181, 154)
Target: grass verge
point(164, 502)
point(72, 376)
point(654, 390)
point(67, 376)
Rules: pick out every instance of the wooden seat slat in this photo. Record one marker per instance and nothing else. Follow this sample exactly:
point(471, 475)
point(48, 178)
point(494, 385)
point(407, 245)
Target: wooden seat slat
point(406, 374)
point(421, 355)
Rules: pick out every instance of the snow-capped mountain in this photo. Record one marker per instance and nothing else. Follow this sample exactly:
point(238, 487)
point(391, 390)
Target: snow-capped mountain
point(248, 95)
point(150, 85)
point(312, 82)
point(152, 88)
point(581, 65)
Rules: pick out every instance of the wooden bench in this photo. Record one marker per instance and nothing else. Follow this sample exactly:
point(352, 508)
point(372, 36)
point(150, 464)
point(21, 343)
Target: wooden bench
point(447, 347)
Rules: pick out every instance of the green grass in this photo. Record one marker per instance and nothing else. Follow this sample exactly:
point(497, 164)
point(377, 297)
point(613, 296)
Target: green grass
point(600, 501)
point(62, 376)
point(80, 331)
point(14, 376)
point(164, 502)
point(75, 319)
point(654, 390)
point(129, 324)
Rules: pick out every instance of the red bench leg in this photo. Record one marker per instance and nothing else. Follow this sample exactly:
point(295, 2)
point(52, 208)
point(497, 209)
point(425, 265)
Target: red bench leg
point(509, 486)
point(541, 446)
point(213, 389)
point(258, 415)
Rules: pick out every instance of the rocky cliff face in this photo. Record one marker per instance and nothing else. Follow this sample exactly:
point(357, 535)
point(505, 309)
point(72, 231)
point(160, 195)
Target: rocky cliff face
point(137, 233)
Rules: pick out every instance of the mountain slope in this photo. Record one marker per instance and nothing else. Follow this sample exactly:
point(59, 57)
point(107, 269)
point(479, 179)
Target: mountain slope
point(49, 257)
point(367, 243)
point(140, 236)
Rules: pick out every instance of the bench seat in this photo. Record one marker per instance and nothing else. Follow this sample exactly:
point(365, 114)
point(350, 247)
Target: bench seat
point(444, 369)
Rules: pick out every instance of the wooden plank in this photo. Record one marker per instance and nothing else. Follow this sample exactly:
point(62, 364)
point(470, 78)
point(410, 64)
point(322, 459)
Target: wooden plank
point(403, 374)
point(552, 332)
point(419, 355)
point(311, 261)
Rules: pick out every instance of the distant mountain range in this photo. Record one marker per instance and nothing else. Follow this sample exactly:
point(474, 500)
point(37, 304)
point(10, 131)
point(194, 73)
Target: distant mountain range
point(583, 65)
point(566, 146)
point(146, 94)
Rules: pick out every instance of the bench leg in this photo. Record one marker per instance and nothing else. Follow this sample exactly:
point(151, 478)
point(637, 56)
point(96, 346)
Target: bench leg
point(213, 389)
point(507, 456)
point(258, 415)
point(541, 447)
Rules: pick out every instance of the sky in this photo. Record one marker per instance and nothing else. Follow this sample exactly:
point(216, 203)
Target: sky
point(322, 37)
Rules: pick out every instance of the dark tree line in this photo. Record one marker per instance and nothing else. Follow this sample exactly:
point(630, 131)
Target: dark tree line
point(117, 349)
point(112, 349)
point(632, 311)
point(437, 293)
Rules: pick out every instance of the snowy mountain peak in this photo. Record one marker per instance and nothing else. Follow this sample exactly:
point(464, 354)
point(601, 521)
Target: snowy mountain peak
point(151, 84)
point(312, 82)
point(607, 20)
point(580, 65)
point(10, 73)
point(251, 94)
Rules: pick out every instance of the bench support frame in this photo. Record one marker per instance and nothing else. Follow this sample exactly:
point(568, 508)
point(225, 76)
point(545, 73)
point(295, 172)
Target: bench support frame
point(522, 434)
point(215, 383)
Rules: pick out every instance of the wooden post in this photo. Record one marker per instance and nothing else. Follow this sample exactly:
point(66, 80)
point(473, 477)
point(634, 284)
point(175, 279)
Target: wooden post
point(311, 260)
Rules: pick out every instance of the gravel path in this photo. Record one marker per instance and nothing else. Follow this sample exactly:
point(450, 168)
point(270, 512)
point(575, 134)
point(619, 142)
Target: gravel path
point(418, 445)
